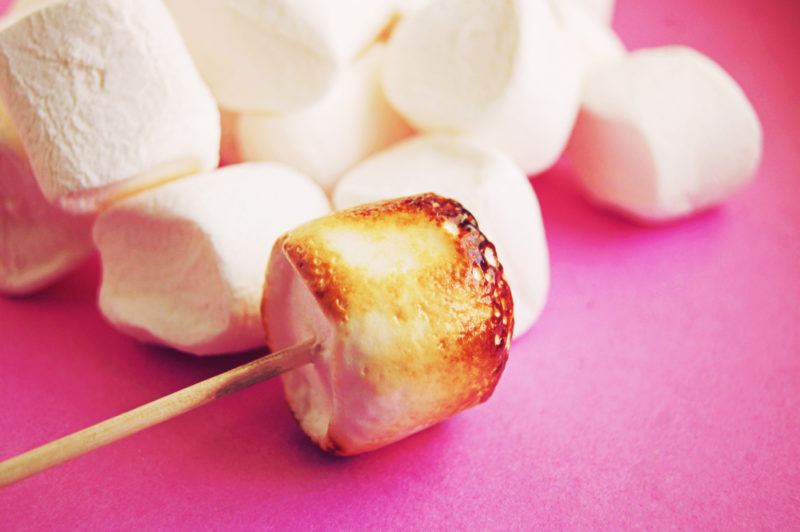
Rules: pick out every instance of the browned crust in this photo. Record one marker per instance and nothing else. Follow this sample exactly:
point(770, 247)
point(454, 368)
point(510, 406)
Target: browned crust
point(471, 363)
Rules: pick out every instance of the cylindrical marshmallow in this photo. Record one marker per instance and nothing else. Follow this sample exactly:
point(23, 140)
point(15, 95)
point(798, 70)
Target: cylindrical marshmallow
point(183, 264)
point(350, 123)
point(487, 183)
point(39, 243)
point(663, 133)
point(106, 99)
point(276, 55)
point(411, 311)
point(502, 71)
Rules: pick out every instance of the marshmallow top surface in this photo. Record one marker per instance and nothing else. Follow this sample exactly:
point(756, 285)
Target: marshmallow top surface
point(184, 264)
point(414, 319)
point(482, 179)
point(676, 133)
point(352, 121)
point(276, 55)
point(102, 92)
point(501, 71)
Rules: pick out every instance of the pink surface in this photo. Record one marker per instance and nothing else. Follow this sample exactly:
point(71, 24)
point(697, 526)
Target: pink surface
point(661, 389)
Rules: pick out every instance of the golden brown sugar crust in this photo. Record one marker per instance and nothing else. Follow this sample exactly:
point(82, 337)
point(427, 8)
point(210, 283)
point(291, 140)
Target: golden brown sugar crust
point(415, 289)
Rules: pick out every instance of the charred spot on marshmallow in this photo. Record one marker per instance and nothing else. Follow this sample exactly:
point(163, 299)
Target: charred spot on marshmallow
point(419, 319)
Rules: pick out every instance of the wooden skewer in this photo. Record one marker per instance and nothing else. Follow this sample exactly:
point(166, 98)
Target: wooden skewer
point(153, 413)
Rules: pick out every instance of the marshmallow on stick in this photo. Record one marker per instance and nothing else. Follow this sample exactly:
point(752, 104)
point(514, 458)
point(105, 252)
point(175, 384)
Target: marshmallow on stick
point(277, 55)
point(487, 183)
point(39, 243)
point(407, 320)
point(663, 133)
point(183, 264)
point(350, 123)
point(502, 71)
point(412, 312)
point(106, 99)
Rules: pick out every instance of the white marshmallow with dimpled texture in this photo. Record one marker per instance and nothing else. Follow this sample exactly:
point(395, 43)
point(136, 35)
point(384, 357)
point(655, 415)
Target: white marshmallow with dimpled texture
point(276, 55)
point(106, 99)
point(350, 123)
point(39, 243)
point(184, 264)
point(502, 71)
point(663, 133)
point(487, 183)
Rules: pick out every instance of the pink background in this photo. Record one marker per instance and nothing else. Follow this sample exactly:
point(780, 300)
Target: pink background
point(661, 389)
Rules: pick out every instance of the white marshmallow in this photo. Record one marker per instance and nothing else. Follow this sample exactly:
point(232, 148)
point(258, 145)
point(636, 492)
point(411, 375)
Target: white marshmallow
point(663, 133)
point(487, 183)
point(350, 123)
point(184, 264)
point(276, 55)
point(595, 41)
point(106, 99)
point(39, 243)
point(502, 71)
point(412, 315)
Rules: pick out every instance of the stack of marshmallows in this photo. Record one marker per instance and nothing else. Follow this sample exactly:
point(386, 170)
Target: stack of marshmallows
point(116, 113)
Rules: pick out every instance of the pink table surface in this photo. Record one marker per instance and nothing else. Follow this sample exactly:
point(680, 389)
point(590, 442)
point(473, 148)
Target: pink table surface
point(661, 388)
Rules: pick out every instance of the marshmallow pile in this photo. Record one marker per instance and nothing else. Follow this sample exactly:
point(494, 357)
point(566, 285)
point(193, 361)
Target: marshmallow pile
point(116, 114)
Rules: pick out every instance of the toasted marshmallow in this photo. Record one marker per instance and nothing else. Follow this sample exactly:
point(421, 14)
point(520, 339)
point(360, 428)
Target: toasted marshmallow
point(663, 133)
point(39, 243)
point(276, 55)
point(350, 123)
point(411, 311)
point(502, 71)
point(596, 42)
point(487, 183)
point(106, 99)
point(184, 264)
